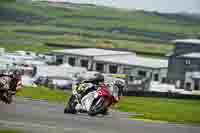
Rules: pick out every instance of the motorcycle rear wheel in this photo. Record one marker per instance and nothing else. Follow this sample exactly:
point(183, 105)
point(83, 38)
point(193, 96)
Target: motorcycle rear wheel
point(70, 108)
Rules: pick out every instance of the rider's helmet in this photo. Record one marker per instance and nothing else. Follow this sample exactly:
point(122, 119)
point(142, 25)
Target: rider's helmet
point(16, 74)
point(97, 78)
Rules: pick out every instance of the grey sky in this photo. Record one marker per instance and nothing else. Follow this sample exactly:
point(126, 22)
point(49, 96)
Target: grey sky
point(192, 6)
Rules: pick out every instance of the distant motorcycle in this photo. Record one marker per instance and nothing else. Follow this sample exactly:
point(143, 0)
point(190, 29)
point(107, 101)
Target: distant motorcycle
point(99, 101)
point(14, 83)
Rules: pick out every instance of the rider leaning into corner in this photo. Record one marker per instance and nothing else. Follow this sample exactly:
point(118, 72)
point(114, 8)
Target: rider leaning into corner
point(84, 86)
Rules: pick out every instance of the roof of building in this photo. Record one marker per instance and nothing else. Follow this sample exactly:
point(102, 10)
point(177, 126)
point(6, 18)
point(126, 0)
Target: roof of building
point(91, 52)
point(135, 61)
point(61, 71)
point(191, 55)
point(192, 41)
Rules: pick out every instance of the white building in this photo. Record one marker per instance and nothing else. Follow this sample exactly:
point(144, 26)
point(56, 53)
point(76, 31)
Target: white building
point(63, 71)
point(114, 62)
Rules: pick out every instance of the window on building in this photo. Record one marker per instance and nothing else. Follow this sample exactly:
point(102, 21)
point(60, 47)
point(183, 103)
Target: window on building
point(72, 61)
point(84, 63)
point(163, 80)
point(113, 68)
point(142, 73)
point(156, 77)
point(99, 67)
point(187, 62)
point(188, 86)
point(28, 53)
point(196, 85)
point(127, 70)
point(59, 59)
point(131, 78)
point(180, 84)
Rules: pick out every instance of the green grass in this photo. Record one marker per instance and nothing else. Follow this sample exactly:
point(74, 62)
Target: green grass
point(117, 18)
point(7, 1)
point(42, 93)
point(172, 110)
point(11, 47)
point(87, 39)
point(162, 109)
point(10, 131)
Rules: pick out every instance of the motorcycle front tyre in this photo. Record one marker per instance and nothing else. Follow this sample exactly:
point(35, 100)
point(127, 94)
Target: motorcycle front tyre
point(97, 107)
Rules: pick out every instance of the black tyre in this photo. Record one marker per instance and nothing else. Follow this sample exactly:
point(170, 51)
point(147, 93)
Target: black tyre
point(71, 105)
point(97, 107)
point(7, 98)
point(105, 111)
point(66, 110)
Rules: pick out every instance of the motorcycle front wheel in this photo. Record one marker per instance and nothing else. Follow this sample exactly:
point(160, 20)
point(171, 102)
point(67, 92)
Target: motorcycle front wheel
point(97, 107)
point(7, 97)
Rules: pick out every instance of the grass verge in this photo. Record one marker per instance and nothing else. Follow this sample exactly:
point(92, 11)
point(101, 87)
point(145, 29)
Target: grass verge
point(162, 109)
point(10, 131)
point(42, 93)
point(159, 109)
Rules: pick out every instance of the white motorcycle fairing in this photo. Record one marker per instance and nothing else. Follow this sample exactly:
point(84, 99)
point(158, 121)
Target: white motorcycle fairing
point(87, 100)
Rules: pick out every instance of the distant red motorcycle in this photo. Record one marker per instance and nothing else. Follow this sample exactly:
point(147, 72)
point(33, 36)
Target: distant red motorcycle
point(100, 100)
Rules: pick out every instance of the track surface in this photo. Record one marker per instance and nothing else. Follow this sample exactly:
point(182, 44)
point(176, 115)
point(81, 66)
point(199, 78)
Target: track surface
point(43, 117)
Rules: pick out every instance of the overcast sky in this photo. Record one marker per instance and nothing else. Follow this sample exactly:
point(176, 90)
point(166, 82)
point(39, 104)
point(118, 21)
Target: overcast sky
point(192, 6)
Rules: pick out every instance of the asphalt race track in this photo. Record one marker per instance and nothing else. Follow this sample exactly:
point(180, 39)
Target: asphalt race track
point(43, 117)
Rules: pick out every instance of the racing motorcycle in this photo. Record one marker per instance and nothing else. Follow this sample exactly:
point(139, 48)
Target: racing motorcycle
point(98, 102)
point(6, 95)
